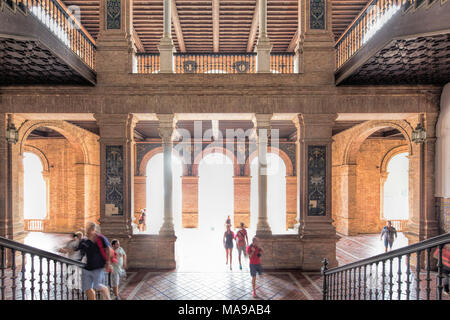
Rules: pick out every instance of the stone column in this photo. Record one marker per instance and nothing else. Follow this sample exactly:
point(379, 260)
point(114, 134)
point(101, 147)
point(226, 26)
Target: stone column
point(314, 173)
point(116, 47)
point(316, 45)
point(263, 46)
point(242, 200)
point(166, 47)
point(166, 128)
point(189, 187)
point(262, 126)
point(117, 149)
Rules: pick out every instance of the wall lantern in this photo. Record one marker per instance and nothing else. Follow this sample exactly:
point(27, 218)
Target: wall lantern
point(419, 134)
point(12, 134)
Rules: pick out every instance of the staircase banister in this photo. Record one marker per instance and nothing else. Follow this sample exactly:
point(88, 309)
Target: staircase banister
point(35, 251)
point(420, 246)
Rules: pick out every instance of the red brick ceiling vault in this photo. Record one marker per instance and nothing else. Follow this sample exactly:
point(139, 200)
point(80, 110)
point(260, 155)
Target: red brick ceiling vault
point(218, 25)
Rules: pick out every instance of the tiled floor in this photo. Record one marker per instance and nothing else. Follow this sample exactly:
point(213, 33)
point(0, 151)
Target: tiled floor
point(202, 273)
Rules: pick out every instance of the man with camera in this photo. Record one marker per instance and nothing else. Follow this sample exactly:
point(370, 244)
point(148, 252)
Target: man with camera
point(255, 253)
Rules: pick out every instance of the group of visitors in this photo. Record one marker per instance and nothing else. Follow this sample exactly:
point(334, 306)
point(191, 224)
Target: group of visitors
point(101, 258)
point(253, 250)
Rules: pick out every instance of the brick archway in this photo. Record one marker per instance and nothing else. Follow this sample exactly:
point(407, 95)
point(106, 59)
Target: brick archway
point(283, 155)
point(362, 132)
point(38, 152)
point(390, 154)
point(149, 155)
point(221, 150)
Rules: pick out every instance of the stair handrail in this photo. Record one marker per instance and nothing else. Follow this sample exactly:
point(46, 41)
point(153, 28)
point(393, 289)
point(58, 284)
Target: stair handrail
point(437, 241)
point(10, 244)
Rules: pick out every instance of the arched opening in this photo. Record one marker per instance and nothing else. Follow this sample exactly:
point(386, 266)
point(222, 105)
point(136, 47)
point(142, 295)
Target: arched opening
point(35, 188)
point(216, 191)
point(396, 196)
point(276, 191)
point(155, 193)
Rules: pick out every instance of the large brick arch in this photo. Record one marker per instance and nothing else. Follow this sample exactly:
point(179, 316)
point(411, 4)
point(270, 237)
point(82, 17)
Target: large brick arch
point(360, 133)
point(283, 155)
point(221, 150)
point(41, 155)
point(82, 140)
point(149, 155)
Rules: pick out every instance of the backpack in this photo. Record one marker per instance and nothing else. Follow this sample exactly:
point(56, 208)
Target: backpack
point(112, 253)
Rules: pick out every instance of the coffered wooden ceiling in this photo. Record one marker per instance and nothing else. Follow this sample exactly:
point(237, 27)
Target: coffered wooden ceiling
point(218, 25)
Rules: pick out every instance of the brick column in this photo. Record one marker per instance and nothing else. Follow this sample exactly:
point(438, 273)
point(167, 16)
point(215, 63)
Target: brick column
point(5, 179)
point(314, 172)
point(115, 42)
point(291, 201)
point(116, 173)
point(316, 46)
point(189, 196)
point(140, 195)
point(242, 200)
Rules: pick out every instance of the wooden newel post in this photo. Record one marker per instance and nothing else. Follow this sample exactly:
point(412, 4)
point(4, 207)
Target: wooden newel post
point(323, 270)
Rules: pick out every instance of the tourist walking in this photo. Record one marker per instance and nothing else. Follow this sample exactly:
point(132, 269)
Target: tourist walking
point(388, 234)
point(141, 222)
point(70, 249)
point(241, 242)
point(97, 250)
point(228, 237)
point(118, 268)
point(255, 252)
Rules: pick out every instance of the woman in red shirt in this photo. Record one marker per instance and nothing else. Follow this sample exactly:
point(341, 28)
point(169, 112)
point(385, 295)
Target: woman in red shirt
point(255, 253)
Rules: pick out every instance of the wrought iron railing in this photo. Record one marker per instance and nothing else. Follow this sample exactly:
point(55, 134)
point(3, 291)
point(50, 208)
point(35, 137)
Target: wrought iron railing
point(391, 275)
point(55, 16)
point(215, 63)
point(367, 23)
point(28, 273)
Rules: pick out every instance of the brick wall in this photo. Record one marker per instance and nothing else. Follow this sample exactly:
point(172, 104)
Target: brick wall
point(444, 206)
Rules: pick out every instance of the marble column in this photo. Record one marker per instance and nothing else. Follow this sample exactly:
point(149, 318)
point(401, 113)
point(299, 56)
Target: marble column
point(165, 129)
point(314, 132)
point(262, 126)
point(166, 47)
point(263, 45)
point(117, 149)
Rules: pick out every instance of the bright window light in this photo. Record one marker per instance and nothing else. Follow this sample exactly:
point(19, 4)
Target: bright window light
point(54, 27)
point(155, 193)
point(396, 202)
point(215, 191)
point(35, 189)
point(376, 24)
point(276, 193)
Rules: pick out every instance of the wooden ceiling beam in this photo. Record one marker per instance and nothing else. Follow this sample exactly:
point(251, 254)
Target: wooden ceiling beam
point(253, 28)
point(177, 27)
point(216, 24)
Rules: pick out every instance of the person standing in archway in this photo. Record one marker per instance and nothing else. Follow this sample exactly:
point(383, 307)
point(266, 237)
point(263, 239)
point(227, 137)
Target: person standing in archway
point(228, 237)
point(255, 252)
point(388, 233)
point(141, 222)
point(241, 242)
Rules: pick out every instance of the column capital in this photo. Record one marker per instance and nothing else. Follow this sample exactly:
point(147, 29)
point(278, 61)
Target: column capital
point(166, 126)
point(315, 126)
point(116, 126)
point(262, 120)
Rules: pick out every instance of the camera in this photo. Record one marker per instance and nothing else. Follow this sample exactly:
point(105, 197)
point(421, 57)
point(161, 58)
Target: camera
point(258, 255)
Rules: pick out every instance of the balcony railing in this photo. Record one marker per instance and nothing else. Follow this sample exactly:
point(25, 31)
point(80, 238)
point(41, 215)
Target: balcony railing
point(34, 225)
point(62, 23)
point(215, 63)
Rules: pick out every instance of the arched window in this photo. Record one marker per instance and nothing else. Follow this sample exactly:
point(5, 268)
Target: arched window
point(396, 203)
point(216, 191)
point(35, 188)
point(276, 193)
point(155, 193)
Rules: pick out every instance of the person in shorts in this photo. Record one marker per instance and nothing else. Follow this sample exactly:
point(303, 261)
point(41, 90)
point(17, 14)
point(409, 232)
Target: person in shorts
point(97, 261)
point(388, 234)
point(118, 268)
point(141, 222)
point(228, 237)
point(255, 252)
point(241, 242)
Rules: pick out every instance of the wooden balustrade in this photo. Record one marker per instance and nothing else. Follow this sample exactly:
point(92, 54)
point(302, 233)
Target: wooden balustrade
point(63, 24)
